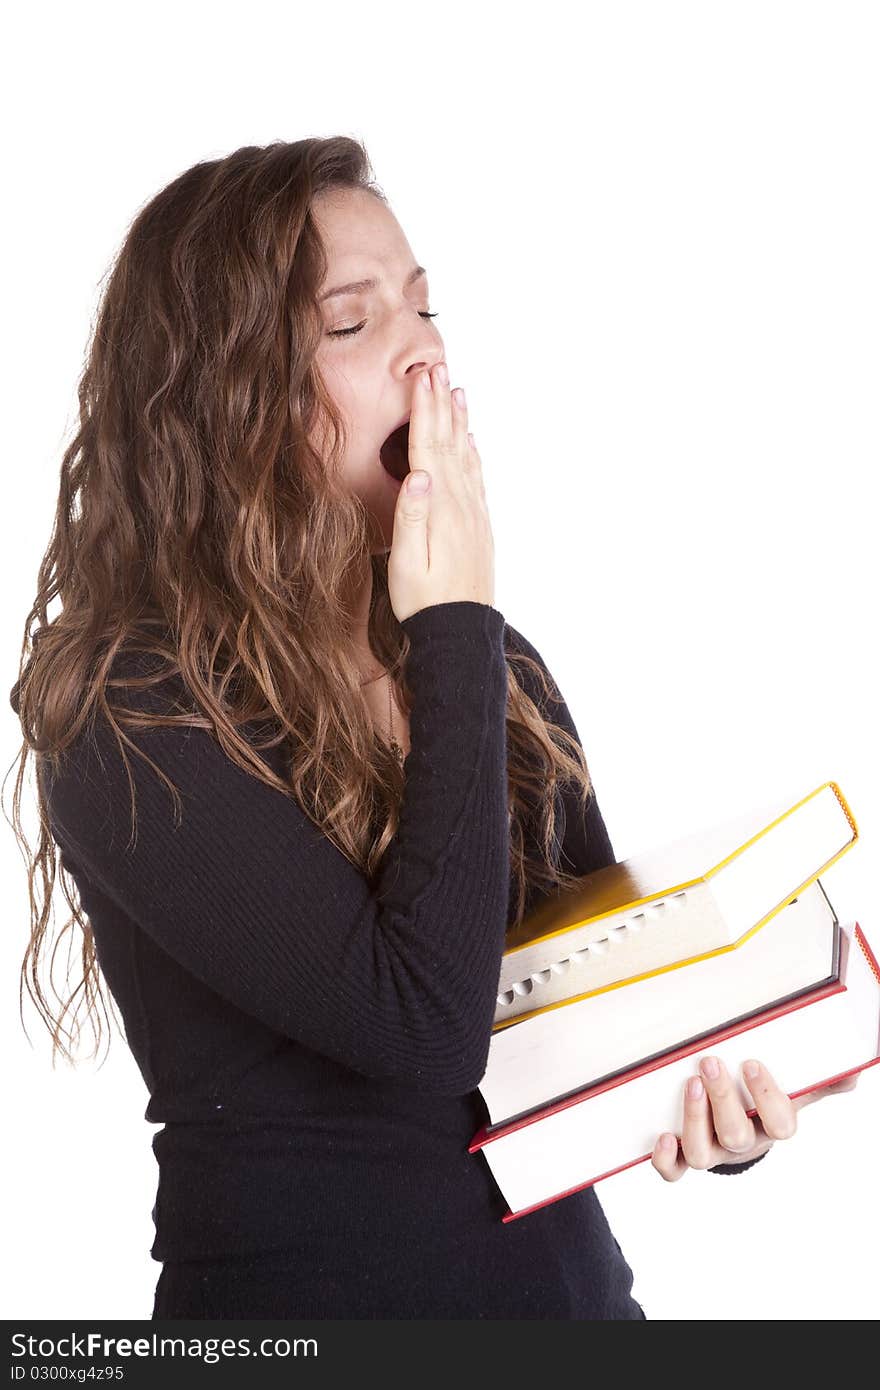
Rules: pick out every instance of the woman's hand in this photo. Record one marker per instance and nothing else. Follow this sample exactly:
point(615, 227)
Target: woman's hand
point(718, 1130)
point(442, 550)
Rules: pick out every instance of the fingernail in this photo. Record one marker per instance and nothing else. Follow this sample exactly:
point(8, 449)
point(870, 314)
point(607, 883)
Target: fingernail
point(751, 1069)
point(426, 380)
point(667, 1141)
point(442, 374)
point(458, 397)
point(694, 1088)
point(710, 1068)
point(417, 482)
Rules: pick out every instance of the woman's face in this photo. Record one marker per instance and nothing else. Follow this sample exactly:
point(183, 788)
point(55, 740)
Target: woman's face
point(371, 374)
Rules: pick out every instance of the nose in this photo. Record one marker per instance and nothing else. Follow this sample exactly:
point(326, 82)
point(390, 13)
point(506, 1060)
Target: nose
point(422, 351)
point(424, 337)
point(428, 356)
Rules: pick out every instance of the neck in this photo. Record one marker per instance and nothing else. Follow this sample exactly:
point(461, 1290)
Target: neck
point(359, 603)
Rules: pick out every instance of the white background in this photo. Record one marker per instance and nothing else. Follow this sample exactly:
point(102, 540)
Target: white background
point(651, 231)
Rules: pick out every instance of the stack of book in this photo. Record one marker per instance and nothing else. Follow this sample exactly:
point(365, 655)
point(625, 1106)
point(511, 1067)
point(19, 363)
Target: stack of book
point(722, 942)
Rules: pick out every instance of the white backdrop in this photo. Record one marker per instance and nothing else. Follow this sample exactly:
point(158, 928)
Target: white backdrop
point(651, 231)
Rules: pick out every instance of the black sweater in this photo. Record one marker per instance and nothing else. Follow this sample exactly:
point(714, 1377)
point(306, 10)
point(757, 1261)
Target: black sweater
point(312, 1047)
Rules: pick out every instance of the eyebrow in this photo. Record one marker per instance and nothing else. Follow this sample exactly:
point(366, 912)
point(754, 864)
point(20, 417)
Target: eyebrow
point(356, 286)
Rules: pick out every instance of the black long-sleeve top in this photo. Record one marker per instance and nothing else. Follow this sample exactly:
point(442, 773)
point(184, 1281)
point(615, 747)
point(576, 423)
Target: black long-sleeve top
point(312, 1047)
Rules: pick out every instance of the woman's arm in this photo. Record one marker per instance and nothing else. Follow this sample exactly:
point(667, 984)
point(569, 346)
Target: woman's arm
point(397, 980)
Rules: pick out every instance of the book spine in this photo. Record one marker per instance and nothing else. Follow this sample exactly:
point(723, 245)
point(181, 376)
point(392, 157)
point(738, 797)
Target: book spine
point(867, 952)
point(846, 809)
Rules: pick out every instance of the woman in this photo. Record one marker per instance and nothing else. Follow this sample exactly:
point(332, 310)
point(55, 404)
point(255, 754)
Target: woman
point(349, 776)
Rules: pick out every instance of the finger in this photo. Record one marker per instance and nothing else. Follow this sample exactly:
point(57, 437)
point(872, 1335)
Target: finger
point(441, 438)
point(697, 1131)
point(460, 421)
point(733, 1128)
point(435, 443)
point(668, 1159)
point(475, 467)
point(776, 1110)
point(451, 440)
point(427, 436)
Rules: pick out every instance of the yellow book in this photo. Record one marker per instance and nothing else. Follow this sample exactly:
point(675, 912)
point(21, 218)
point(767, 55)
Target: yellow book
point(664, 908)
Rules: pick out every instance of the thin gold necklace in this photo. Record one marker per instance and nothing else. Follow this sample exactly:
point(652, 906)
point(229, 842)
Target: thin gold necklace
point(395, 746)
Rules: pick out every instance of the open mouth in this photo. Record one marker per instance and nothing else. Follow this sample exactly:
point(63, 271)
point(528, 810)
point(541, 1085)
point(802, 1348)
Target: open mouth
point(394, 453)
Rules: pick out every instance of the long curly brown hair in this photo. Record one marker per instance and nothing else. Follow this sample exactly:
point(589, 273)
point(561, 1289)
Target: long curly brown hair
point(197, 521)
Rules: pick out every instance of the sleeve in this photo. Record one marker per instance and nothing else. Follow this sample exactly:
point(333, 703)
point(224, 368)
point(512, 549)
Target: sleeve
point(737, 1167)
point(586, 844)
point(246, 892)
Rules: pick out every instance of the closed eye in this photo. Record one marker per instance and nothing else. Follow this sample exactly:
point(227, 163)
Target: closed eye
point(346, 332)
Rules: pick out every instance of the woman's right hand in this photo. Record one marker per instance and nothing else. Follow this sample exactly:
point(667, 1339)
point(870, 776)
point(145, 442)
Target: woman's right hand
point(442, 548)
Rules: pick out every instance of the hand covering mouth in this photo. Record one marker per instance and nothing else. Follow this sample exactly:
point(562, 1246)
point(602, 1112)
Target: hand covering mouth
point(394, 453)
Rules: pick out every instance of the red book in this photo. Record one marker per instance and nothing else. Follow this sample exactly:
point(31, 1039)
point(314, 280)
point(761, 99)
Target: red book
point(806, 1043)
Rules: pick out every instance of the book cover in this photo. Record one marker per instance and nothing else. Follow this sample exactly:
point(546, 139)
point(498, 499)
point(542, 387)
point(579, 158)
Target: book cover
point(561, 1050)
point(570, 1144)
point(702, 895)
